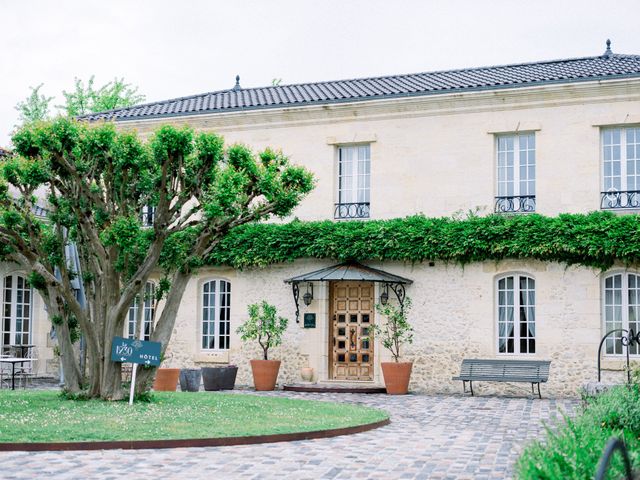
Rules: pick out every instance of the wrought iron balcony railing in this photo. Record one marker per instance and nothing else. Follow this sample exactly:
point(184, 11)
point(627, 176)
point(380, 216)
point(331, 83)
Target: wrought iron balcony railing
point(621, 199)
point(515, 204)
point(351, 210)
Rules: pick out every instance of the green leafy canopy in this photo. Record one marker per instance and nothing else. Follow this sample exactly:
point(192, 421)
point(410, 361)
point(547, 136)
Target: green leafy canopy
point(598, 239)
point(95, 182)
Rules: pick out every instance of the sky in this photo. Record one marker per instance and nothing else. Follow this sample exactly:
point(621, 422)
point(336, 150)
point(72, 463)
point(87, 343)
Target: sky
point(177, 48)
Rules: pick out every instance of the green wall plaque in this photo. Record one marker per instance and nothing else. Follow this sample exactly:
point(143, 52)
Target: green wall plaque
point(309, 320)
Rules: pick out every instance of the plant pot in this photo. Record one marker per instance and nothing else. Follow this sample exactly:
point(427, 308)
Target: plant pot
point(265, 374)
point(166, 380)
point(190, 379)
point(219, 378)
point(396, 377)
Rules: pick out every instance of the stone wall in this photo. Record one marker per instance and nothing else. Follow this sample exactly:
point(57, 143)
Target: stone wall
point(436, 154)
point(453, 315)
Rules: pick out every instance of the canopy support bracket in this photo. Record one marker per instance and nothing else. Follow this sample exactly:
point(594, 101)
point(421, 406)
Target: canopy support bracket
point(296, 298)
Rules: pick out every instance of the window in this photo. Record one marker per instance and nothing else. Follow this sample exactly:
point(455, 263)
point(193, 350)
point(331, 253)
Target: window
point(148, 215)
point(216, 315)
point(354, 178)
point(148, 313)
point(516, 314)
point(621, 168)
point(621, 309)
point(16, 311)
point(516, 173)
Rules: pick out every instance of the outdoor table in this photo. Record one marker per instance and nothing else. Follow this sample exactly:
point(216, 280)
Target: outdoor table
point(13, 361)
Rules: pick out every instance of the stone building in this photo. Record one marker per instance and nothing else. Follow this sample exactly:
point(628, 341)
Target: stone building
point(547, 137)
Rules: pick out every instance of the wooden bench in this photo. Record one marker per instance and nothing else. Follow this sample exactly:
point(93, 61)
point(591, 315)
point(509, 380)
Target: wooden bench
point(525, 371)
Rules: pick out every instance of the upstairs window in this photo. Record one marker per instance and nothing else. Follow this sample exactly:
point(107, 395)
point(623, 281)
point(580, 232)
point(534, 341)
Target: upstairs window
point(354, 180)
point(148, 216)
point(516, 173)
point(620, 168)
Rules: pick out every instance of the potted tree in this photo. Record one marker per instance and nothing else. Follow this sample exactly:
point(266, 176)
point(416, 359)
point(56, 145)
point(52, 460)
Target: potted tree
point(393, 333)
point(267, 328)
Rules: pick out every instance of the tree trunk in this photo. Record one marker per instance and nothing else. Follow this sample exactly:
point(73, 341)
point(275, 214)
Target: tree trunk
point(68, 361)
point(164, 326)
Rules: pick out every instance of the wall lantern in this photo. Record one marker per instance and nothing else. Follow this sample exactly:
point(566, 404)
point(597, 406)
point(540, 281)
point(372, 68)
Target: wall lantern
point(384, 296)
point(308, 297)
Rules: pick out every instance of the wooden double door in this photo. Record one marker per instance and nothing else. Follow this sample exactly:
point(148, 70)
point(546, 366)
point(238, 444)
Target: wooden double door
point(351, 335)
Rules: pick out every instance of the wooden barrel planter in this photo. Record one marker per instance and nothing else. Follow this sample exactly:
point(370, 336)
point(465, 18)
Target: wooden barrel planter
point(190, 379)
point(219, 378)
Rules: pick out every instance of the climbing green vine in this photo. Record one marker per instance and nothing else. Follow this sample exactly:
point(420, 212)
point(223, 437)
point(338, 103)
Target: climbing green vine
point(596, 239)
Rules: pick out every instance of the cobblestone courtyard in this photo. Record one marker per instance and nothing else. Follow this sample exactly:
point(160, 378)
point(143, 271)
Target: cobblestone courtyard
point(430, 437)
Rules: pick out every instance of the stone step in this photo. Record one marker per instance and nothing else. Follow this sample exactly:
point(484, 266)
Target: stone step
point(335, 387)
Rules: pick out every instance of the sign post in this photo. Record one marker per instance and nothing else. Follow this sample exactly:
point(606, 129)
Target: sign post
point(125, 350)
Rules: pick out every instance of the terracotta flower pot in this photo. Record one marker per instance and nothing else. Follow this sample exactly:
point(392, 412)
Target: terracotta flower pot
point(265, 374)
point(396, 377)
point(166, 380)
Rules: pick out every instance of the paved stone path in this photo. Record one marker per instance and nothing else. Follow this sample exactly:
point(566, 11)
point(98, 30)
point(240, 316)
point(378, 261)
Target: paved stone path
point(430, 437)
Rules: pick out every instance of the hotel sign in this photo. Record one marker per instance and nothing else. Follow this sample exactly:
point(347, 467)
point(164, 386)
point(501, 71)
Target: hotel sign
point(125, 350)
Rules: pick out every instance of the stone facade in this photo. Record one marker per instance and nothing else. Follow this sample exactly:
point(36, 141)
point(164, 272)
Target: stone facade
point(454, 316)
point(434, 155)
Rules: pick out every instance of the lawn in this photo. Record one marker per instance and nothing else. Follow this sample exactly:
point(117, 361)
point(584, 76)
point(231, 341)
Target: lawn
point(42, 416)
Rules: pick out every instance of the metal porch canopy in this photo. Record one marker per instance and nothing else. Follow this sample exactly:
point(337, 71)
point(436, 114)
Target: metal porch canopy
point(349, 271)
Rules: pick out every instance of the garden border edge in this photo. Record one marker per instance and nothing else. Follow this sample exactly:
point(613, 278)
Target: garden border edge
point(189, 442)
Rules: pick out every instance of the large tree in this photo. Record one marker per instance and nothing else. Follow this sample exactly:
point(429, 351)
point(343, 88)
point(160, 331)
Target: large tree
point(35, 107)
point(83, 99)
point(95, 181)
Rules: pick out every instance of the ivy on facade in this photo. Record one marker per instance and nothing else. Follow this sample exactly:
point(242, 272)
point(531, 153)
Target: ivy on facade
point(597, 239)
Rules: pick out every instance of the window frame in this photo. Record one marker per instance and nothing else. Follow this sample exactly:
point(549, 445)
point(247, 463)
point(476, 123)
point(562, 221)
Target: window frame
point(516, 308)
point(529, 205)
point(217, 313)
point(13, 320)
point(613, 196)
point(152, 308)
point(361, 209)
point(624, 309)
point(148, 216)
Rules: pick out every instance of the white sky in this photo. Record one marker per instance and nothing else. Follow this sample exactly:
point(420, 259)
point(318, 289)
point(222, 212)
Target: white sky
point(181, 47)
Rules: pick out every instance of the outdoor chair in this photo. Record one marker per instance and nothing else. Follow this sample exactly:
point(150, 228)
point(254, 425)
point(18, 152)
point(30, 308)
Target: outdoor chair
point(5, 373)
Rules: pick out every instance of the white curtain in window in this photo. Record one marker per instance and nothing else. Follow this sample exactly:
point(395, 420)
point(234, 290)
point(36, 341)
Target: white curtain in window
point(516, 165)
point(516, 293)
point(354, 174)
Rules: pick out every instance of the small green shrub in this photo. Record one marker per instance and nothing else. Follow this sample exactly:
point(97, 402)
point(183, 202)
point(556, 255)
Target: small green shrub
point(264, 326)
point(77, 397)
point(396, 330)
point(573, 451)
